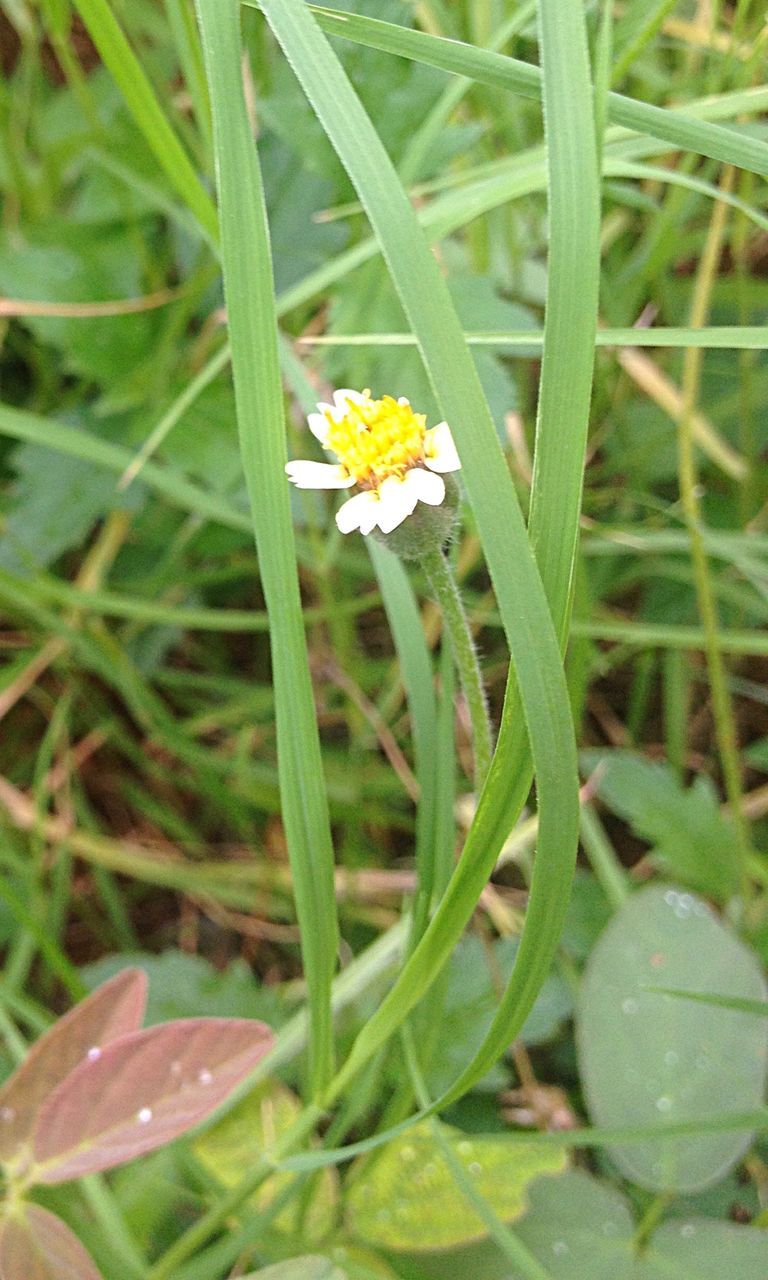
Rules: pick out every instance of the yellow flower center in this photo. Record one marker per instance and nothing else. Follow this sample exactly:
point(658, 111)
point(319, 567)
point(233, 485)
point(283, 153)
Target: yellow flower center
point(377, 438)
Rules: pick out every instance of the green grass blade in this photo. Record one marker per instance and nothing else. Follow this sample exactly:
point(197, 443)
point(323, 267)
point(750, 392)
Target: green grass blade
point(758, 1008)
point(723, 337)
point(128, 74)
point(564, 395)
point(727, 145)
point(417, 675)
point(522, 603)
point(252, 322)
point(572, 301)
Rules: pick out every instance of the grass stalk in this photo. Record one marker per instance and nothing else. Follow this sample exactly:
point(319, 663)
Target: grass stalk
point(249, 294)
point(688, 479)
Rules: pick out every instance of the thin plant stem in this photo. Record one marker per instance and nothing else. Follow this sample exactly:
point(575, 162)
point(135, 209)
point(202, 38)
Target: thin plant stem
point(688, 478)
point(106, 1210)
point(205, 1227)
point(602, 857)
point(443, 584)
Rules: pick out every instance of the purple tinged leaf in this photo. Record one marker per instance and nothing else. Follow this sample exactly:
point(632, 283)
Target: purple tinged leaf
point(144, 1090)
point(39, 1246)
point(114, 1009)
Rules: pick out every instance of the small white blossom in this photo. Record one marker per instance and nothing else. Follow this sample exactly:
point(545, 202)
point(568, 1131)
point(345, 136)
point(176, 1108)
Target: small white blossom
point(383, 448)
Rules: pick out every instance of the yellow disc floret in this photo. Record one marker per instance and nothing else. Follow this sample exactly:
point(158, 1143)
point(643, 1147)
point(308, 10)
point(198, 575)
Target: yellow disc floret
point(376, 439)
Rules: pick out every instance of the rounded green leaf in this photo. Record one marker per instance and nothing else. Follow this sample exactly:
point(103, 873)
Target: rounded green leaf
point(310, 1267)
point(704, 1249)
point(579, 1228)
point(406, 1198)
point(651, 1059)
point(230, 1148)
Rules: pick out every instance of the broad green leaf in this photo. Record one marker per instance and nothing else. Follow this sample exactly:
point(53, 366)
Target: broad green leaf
point(578, 1228)
point(703, 1249)
point(310, 1267)
point(233, 1146)
point(649, 1059)
point(692, 840)
point(405, 1198)
point(65, 262)
point(575, 1228)
point(54, 503)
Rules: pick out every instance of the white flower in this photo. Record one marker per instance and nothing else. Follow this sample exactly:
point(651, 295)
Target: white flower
point(383, 448)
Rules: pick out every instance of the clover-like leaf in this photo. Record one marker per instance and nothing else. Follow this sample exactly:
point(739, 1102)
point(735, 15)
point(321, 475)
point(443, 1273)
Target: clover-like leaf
point(143, 1090)
point(232, 1145)
point(310, 1267)
point(406, 1197)
point(36, 1245)
point(113, 1010)
point(703, 1249)
point(648, 1058)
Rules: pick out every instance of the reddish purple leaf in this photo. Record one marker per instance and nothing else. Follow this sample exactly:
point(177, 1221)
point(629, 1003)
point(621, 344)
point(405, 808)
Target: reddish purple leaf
point(111, 1011)
point(144, 1090)
point(40, 1246)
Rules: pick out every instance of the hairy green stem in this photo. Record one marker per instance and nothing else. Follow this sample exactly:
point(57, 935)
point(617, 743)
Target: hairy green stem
point(443, 584)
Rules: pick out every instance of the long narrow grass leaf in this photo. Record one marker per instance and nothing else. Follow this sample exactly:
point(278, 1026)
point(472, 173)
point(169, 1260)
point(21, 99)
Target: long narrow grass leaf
point(130, 78)
point(522, 603)
point(731, 146)
point(252, 323)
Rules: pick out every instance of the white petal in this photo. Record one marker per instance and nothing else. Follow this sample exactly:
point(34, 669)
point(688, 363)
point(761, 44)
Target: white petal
point(397, 498)
point(319, 426)
point(360, 512)
point(426, 485)
point(439, 449)
point(341, 397)
point(318, 475)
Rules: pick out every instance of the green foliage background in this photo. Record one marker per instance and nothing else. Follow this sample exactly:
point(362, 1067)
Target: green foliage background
point(546, 224)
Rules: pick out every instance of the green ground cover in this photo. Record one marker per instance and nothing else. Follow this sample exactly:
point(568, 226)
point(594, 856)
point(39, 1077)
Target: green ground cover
point(247, 752)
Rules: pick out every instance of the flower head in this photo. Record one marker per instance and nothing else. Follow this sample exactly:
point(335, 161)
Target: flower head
point(384, 449)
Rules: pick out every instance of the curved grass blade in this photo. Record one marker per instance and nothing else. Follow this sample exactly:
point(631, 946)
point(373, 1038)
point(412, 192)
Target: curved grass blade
point(130, 78)
point(522, 604)
point(722, 337)
point(249, 294)
point(733, 1122)
point(564, 397)
point(719, 143)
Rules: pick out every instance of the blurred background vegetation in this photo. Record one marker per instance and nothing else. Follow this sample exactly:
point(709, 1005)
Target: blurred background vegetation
point(137, 760)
